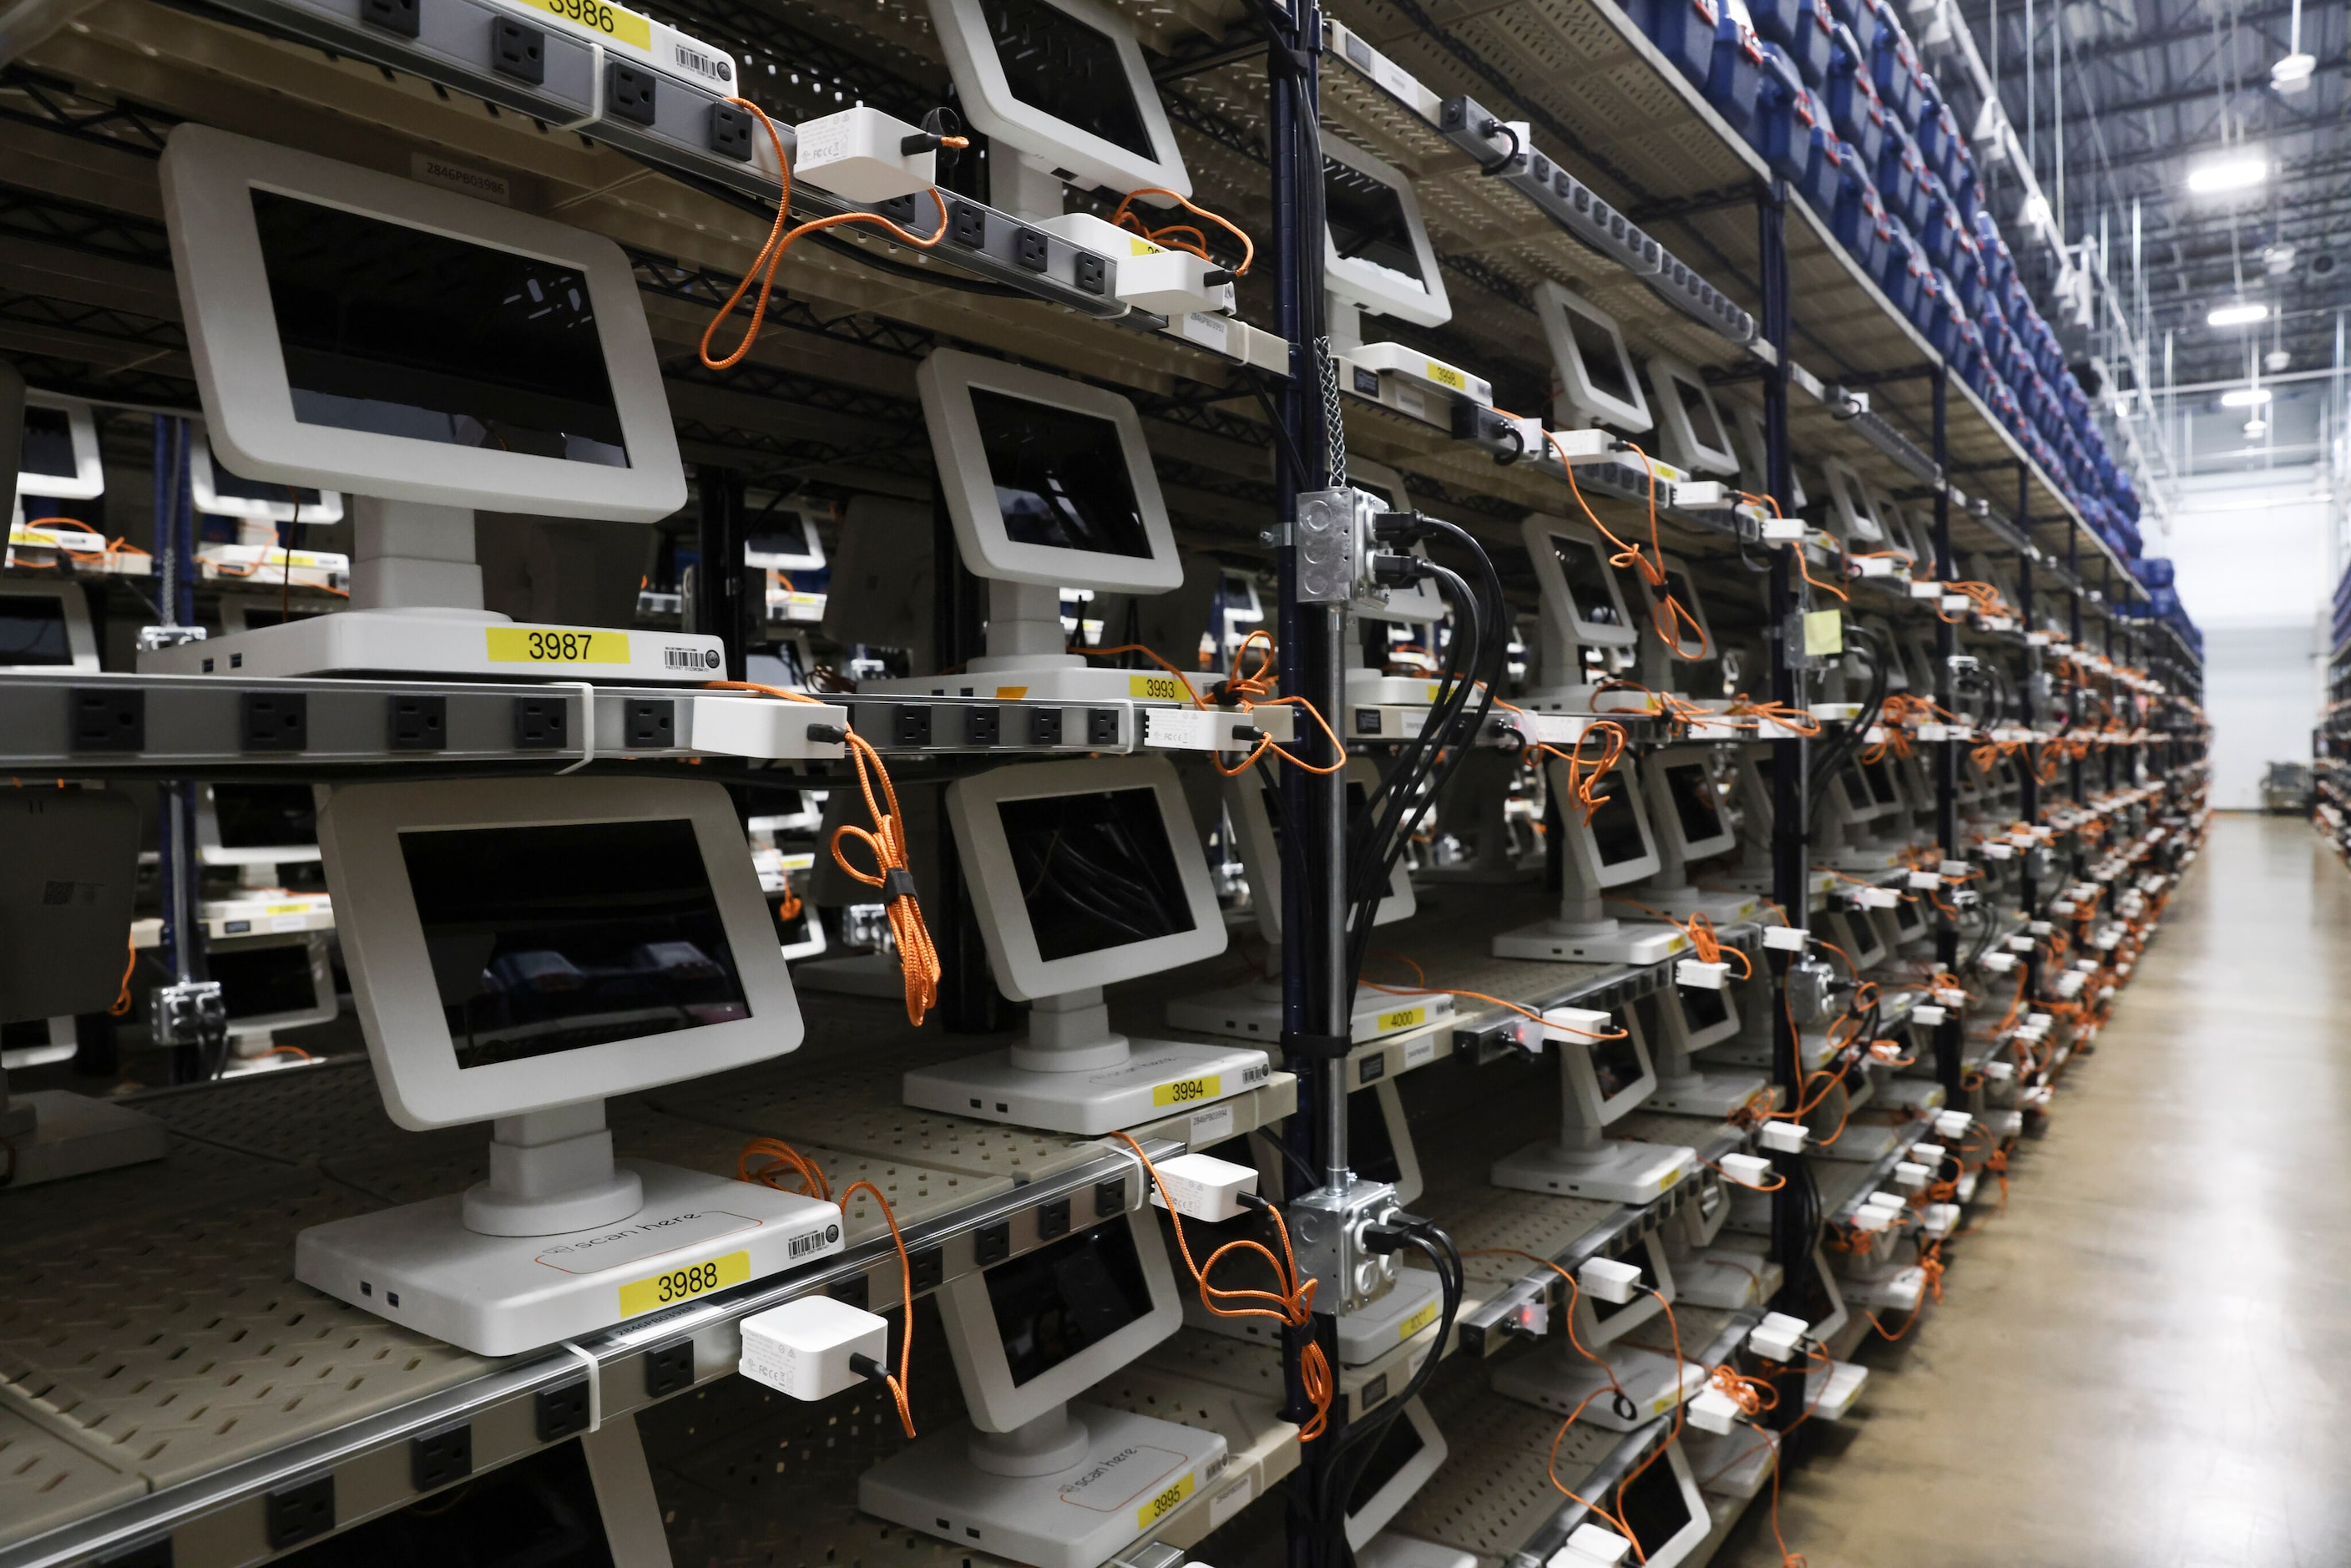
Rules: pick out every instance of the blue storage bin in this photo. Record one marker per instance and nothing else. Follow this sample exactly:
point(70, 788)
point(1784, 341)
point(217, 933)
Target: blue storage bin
point(1940, 231)
point(1901, 266)
point(1779, 137)
point(1804, 28)
point(1860, 222)
point(1736, 75)
point(1852, 96)
point(1937, 314)
point(1683, 32)
point(1899, 172)
point(1894, 66)
point(1966, 267)
point(1824, 182)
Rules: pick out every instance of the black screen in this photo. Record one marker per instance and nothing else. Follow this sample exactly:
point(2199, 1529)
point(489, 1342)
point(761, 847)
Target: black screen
point(48, 444)
point(1677, 586)
point(1652, 1505)
point(799, 928)
point(554, 938)
point(1882, 787)
point(1860, 937)
point(1096, 872)
point(1616, 825)
point(1706, 424)
point(1057, 64)
point(777, 532)
point(1397, 1447)
point(1063, 1300)
point(1060, 477)
point(1703, 1009)
point(1616, 1063)
point(1696, 805)
point(1586, 572)
point(232, 486)
point(264, 982)
point(1603, 358)
point(265, 816)
point(393, 330)
point(1909, 919)
point(1367, 220)
point(33, 631)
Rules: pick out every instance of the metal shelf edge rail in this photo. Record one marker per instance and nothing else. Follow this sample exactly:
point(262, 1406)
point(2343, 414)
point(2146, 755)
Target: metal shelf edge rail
point(710, 1324)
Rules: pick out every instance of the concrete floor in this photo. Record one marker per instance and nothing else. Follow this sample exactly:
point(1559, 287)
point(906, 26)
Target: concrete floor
point(2135, 1366)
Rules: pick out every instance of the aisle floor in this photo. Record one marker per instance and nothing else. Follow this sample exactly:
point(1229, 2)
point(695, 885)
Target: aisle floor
point(2135, 1365)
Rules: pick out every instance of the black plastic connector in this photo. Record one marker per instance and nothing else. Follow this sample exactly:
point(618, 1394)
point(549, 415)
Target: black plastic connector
point(828, 734)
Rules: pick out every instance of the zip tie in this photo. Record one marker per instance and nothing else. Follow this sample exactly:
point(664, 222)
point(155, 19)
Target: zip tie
point(595, 1389)
point(587, 735)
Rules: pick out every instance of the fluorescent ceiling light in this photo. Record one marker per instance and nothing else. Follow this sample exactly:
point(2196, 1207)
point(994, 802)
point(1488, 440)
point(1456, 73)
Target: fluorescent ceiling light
point(2256, 425)
point(2292, 74)
point(2245, 397)
point(2242, 314)
point(2228, 174)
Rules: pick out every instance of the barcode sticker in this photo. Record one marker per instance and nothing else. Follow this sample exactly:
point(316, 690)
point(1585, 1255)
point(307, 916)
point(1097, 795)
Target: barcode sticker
point(1210, 1126)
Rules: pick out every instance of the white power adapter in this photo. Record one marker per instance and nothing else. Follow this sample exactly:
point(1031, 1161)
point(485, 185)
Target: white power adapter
point(1205, 1188)
point(803, 1348)
point(1953, 1124)
point(1910, 1177)
point(1782, 1137)
point(1151, 276)
point(1701, 977)
point(1777, 1336)
point(1927, 1013)
point(1571, 1025)
point(1786, 938)
point(1941, 1219)
point(1879, 898)
point(1590, 1547)
point(1931, 1156)
point(860, 154)
point(1608, 1279)
point(1714, 1411)
point(1746, 1170)
point(1701, 496)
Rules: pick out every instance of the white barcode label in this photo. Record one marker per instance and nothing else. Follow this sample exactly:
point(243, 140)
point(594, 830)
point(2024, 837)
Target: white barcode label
point(1212, 1126)
point(676, 658)
point(802, 1245)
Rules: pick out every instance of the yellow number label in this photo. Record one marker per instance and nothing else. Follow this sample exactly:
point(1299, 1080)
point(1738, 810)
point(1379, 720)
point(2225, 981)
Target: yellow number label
point(685, 1284)
point(611, 21)
point(1446, 376)
point(1405, 1020)
point(1186, 1091)
point(1417, 1322)
point(533, 646)
point(1158, 688)
point(1141, 247)
point(1160, 1506)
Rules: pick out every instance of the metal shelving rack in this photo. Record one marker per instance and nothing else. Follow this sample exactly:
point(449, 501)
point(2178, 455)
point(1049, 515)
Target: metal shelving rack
point(2113, 737)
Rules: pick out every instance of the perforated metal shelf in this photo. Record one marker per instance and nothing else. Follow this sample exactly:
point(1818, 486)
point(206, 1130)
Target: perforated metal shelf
point(1494, 1492)
point(46, 1480)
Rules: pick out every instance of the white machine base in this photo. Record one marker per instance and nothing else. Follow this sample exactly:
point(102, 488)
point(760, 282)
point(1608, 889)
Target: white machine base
point(1158, 1078)
point(1726, 1278)
point(1830, 1391)
point(1734, 1464)
point(1814, 1045)
point(1721, 908)
point(1632, 942)
point(1365, 689)
point(418, 1265)
point(1136, 1469)
point(1621, 1172)
point(1410, 1308)
point(1718, 1094)
point(475, 645)
point(74, 1135)
point(1861, 1143)
point(1070, 683)
point(1393, 1549)
point(1560, 1381)
point(1254, 1012)
point(1896, 1290)
point(855, 975)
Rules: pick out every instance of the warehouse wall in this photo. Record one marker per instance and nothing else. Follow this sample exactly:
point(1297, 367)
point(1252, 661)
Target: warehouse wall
point(2254, 573)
